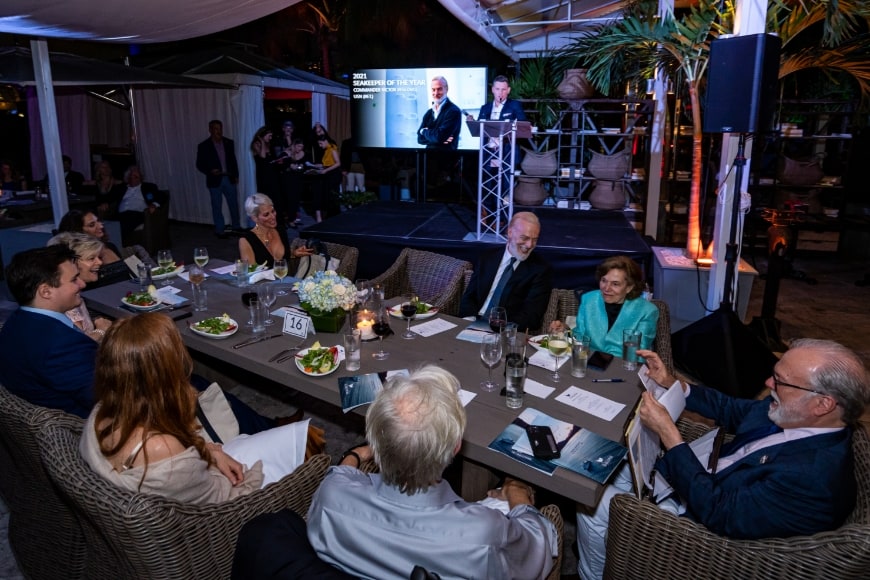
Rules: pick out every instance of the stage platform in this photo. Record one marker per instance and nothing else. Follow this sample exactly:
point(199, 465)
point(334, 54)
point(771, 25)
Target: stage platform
point(574, 242)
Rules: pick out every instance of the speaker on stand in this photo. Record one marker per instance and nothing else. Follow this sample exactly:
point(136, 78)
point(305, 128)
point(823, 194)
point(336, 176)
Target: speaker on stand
point(742, 80)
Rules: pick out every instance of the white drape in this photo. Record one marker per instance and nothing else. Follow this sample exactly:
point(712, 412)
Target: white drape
point(72, 119)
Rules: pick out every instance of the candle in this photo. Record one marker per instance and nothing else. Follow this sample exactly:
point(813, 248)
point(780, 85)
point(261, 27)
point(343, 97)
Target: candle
point(365, 321)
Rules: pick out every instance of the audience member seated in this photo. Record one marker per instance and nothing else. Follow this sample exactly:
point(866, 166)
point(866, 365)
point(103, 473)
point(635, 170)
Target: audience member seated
point(381, 525)
point(134, 198)
point(143, 433)
point(526, 291)
point(44, 358)
point(616, 306)
point(103, 184)
point(87, 250)
point(265, 242)
point(74, 180)
point(787, 472)
point(10, 178)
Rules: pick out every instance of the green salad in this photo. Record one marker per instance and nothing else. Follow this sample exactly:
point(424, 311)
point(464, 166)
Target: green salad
point(319, 360)
point(164, 270)
point(215, 325)
point(139, 299)
point(423, 308)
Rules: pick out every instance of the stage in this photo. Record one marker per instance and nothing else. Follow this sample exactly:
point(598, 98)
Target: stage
point(573, 241)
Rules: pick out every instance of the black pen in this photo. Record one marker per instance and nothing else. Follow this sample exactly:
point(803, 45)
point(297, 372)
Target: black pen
point(608, 380)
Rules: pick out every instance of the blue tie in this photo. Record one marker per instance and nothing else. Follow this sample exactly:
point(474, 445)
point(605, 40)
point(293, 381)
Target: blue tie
point(499, 288)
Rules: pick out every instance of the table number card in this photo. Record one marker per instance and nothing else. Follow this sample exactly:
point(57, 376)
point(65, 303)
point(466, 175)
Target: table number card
point(296, 324)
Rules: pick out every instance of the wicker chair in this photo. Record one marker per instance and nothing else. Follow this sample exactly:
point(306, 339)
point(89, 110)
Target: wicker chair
point(348, 257)
point(134, 535)
point(43, 530)
point(645, 542)
point(436, 278)
point(153, 234)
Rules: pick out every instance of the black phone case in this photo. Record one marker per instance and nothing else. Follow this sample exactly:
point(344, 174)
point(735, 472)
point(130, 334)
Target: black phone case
point(600, 360)
point(543, 442)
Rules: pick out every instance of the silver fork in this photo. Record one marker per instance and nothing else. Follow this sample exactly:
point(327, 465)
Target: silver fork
point(291, 350)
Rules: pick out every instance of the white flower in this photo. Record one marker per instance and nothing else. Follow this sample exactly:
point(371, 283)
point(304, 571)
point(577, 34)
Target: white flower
point(340, 290)
point(327, 291)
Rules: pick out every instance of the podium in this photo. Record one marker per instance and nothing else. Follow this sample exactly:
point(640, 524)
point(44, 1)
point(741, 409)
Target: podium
point(498, 143)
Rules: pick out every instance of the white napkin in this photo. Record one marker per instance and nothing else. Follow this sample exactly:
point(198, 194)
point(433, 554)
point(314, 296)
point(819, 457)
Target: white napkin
point(264, 275)
point(545, 360)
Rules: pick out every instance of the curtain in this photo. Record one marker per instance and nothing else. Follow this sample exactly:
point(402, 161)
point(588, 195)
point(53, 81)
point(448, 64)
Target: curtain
point(72, 122)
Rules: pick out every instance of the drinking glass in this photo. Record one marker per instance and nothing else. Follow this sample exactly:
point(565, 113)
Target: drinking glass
point(409, 311)
point(497, 319)
point(196, 275)
point(381, 327)
point(630, 343)
point(164, 260)
point(376, 292)
point(490, 354)
point(249, 294)
point(558, 345)
point(280, 269)
point(266, 295)
point(363, 291)
point(200, 256)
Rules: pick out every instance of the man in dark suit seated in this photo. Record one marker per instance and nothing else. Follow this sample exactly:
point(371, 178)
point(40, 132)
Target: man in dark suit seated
point(526, 291)
point(44, 358)
point(789, 470)
point(134, 197)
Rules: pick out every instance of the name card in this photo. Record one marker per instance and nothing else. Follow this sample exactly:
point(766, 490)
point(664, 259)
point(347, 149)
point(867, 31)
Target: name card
point(296, 324)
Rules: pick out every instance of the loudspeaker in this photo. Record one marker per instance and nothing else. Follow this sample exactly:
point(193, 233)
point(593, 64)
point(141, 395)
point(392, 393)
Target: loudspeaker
point(743, 77)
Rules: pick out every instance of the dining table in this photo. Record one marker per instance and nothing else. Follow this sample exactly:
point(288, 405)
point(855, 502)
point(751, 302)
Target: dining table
point(487, 412)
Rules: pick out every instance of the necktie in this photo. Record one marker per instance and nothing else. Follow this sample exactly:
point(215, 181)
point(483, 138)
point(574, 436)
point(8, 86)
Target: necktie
point(502, 282)
point(748, 437)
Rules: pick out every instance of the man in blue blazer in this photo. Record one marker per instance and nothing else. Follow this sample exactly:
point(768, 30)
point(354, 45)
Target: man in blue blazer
point(44, 358)
point(526, 293)
point(788, 471)
point(216, 158)
point(441, 124)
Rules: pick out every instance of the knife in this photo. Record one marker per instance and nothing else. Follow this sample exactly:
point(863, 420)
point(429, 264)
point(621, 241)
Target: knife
point(256, 340)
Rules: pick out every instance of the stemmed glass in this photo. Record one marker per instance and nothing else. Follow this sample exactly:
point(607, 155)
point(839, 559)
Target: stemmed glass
point(279, 267)
point(196, 275)
point(490, 354)
point(200, 256)
point(164, 260)
point(363, 291)
point(381, 327)
point(266, 295)
point(558, 345)
point(409, 311)
point(497, 319)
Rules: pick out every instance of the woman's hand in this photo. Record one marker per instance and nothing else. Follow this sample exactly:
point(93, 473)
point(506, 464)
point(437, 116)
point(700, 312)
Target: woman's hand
point(657, 370)
point(558, 326)
point(232, 469)
point(302, 251)
point(102, 324)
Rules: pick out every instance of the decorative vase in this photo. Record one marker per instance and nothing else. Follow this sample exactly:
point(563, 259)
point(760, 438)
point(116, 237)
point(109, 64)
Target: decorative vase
point(540, 164)
point(529, 191)
point(575, 85)
point(608, 166)
point(326, 321)
point(607, 195)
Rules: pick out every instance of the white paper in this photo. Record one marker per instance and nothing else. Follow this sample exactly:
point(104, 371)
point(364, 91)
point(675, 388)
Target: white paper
point(537, 389)
point(133, 262)
point(432, 327)
point(186, 276)
point(472, 335)
point(590, 403)
point(229, 269)
point(466, 396)
point(542, 358)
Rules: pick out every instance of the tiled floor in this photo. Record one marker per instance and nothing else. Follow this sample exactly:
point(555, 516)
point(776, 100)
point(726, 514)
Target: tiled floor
point(835, 308)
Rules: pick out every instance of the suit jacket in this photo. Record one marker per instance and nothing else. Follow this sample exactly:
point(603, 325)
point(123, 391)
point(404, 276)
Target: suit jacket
point(525, 297)
point(433, 132)
point(150, 193)
point(207, 160)
point(511, 111)
point(795, 488)
point(46, 362)
point(635, 314)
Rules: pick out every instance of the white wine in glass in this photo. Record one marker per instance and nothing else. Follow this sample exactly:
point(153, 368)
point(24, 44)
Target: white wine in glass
point(558, 345)
point(164, 260)
point(200, 256)
point(280, 270)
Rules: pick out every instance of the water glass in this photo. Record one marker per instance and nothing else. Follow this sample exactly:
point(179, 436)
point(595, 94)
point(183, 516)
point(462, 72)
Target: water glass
point(258, 316)
point(509, 337)
point(200, 298)
point(515, 381)
point(352, 341)
point(630, 344)
point(144, 272)
point(579, 356)
point(241, 273)
point(266, 296)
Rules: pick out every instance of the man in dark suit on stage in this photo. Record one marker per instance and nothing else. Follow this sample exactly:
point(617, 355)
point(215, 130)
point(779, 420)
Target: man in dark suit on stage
point(789, 469)
point(44, 358)
point(513, 277)
point(135, 197)
point(216, 158)
point(442, 123)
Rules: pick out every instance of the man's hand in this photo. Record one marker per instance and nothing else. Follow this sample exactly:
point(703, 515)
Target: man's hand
point(449, 140)
point(232, 469)
point(558, 326)
point(656, 418)
point(515, 492)
point(657, 370)
point(469, 117)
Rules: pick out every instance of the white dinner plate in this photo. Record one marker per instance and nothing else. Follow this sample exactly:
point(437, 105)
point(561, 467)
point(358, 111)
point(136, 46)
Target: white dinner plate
point(175, 272)
point(535, 341)
point(335, 363)
point(397, 312)
point(219, 336)
point(156, 304)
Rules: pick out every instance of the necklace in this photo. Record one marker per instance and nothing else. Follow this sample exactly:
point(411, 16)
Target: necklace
point(264, 238)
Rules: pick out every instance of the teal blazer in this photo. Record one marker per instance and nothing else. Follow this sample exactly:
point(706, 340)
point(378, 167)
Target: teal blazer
point(636, 314)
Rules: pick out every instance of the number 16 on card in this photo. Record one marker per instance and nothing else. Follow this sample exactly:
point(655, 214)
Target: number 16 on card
point(296, 324)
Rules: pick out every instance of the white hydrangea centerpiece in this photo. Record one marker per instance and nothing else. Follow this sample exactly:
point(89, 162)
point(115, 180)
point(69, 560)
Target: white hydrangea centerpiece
point(326, 293)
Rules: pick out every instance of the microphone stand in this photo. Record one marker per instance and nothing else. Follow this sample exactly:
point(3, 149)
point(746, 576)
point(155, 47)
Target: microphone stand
point(731, 248)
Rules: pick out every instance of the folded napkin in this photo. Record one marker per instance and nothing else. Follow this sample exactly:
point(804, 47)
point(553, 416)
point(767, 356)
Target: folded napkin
point(545, 360)
point(264, 275)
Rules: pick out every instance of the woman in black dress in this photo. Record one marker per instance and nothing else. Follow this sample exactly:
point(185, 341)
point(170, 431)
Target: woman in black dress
point(268, 178)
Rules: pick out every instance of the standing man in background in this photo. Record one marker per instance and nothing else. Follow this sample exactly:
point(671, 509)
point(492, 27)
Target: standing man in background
point(216, 158)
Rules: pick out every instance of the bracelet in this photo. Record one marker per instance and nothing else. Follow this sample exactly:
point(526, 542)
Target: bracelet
point(351, 452)
point(99, 331)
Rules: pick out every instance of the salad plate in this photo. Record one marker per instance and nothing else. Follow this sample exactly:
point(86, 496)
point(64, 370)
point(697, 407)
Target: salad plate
point(216, 327)
point(140, 301)
point(319, 361)
point(540, 341)
point(428, 311)
point(162, 275)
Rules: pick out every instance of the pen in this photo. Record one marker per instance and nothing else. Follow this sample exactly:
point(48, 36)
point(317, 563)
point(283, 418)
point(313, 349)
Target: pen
point(608, 380)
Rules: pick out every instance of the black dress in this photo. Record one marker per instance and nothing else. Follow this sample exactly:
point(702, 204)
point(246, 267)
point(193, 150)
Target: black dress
point(261, 252)
point(269, 183)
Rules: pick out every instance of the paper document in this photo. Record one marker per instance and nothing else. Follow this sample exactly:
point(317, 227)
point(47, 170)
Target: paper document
point(537, 389)
point(591, 403)
point(542, 358)
point(432, 327)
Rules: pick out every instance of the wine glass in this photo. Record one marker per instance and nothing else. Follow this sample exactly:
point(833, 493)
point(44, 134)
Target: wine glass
point(558, 345)
point(266, 295)
point(249, 294)
point(381, 327)
point(200, 256)
point(280, 269)
point(164, 260)
point(363, 291)
point(490, 354)
point(196, 275)
point(497, 319)
point(409, 311)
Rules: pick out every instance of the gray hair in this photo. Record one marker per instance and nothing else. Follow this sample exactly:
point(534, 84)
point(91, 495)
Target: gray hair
point(842, 376)
point(442, 80)
point(130, 170)
point(525, 216)
point(414, 427)
point(80, 244)
point(253, 203)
